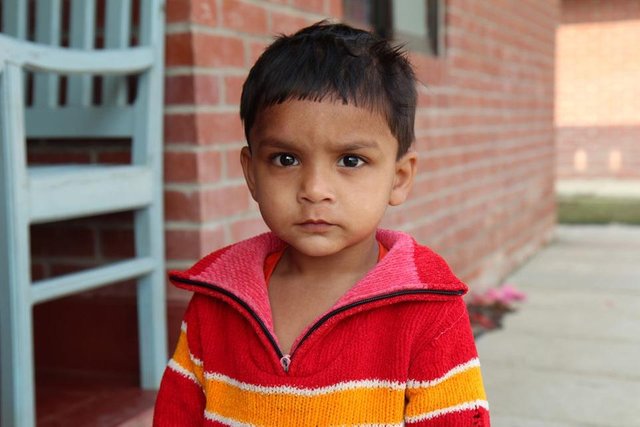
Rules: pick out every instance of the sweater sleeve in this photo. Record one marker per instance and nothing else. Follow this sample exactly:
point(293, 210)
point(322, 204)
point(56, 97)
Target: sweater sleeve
point(181, 399)
point(445, 383)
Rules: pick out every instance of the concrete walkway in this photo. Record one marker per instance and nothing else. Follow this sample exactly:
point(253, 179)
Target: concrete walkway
point(570, 356)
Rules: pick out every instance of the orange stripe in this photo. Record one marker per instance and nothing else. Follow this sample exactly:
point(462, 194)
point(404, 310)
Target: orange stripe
point(362, 405)
point(182, 357)
point(463, 387)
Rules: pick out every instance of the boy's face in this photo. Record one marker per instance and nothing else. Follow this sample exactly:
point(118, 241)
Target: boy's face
point(323, 174)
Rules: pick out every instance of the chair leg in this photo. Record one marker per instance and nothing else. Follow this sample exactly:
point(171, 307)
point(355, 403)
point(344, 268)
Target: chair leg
point(16, 348)
point(16, 322)
point(16, 327)
point(152, 329)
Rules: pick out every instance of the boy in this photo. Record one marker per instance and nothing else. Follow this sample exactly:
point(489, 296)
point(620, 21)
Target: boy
point(326, 320)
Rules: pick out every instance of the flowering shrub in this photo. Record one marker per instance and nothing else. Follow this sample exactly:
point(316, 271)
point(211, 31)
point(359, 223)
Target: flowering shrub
point(487, 309)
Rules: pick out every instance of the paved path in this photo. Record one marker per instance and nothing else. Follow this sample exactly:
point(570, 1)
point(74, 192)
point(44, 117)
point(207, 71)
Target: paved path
point(571, 355)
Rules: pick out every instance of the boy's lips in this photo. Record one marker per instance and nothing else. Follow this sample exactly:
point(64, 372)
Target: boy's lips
point(315, 225)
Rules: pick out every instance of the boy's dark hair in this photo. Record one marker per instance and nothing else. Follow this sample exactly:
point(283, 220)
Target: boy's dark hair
point(335, 62)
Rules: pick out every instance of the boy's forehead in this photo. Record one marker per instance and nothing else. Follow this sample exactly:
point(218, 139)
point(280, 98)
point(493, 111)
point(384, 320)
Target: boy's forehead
point(293, 119)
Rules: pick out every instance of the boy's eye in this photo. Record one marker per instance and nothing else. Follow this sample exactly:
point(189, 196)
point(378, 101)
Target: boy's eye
point(351, 161)
point(285, 159)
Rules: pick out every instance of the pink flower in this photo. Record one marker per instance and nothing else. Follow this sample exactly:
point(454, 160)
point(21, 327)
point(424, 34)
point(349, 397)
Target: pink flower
point(510, 294)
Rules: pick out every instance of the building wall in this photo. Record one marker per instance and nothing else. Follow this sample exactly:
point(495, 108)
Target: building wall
point(598, 90)
point(483, 197)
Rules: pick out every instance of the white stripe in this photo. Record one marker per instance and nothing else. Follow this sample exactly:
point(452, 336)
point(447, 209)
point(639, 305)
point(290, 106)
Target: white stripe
point(175, 366)
point(212, 416)
point(473, 363)
point(195, 360)
point(183, 326)
point(457, 408)
point(348, 385)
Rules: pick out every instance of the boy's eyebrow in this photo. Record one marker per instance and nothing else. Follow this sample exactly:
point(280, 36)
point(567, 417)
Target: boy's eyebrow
point(338, 146)
point(357, 145)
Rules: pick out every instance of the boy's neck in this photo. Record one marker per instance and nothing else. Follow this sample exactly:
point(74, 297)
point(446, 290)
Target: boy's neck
point(354, 261)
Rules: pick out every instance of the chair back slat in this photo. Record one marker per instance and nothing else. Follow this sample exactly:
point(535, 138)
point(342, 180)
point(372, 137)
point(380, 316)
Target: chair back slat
point(117, 34)
point(15, 18)
point(81, 36)
point(48, 31)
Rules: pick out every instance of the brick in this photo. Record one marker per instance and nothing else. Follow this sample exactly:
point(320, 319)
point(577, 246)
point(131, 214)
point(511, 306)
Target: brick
point(180, 128)
point(58, 240)
point(232, 164)
point(197, 11)
point(255, 50)
point(192, 244)
point(115, 157)
point(59, 157)
point(200, 89)
point(597, 83)
point(219, 127)
point(247, 228)
point(334, 8)
point(202, 167)
point(182, 206)
point(117, 243)
point(179, 49)
point(285, 23)
point(316, 6)
point(233, 89)
point(245, 17)
point(225, 201)
point(178, 11)
point(217, 51)
point(204, 12)
point(206, 89)
point(38, 270)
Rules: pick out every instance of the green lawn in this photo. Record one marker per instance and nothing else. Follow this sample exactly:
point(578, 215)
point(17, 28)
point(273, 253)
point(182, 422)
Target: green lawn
point(598, 210)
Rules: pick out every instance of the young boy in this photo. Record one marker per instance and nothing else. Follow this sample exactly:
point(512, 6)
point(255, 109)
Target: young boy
point(326, 320)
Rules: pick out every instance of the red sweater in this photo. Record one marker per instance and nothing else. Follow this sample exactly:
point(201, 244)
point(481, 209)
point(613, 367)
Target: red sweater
point(396, 348)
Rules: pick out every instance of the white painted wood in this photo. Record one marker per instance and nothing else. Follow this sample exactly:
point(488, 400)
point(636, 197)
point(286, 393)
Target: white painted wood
point(80, 122)
point(16, 329)
point(34, 57)
point(48, 32)
point(147, 149)
point(82, 36)
point(14, 18)
point(117, 35)
point(71, 191)
point(58, 287)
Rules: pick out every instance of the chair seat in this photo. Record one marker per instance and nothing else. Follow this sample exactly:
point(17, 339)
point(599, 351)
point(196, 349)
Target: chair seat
point(69, 191)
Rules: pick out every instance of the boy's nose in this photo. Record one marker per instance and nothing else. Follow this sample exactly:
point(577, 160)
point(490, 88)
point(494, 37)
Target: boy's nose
point(315, 186)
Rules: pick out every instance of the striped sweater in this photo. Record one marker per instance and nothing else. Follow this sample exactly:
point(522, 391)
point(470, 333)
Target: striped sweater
point(395, 349)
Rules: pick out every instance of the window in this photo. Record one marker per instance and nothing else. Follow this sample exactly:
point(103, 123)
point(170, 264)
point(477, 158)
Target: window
point(417, 23)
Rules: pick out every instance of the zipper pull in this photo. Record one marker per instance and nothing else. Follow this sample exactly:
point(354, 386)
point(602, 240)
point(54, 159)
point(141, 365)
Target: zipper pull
point(285, 361)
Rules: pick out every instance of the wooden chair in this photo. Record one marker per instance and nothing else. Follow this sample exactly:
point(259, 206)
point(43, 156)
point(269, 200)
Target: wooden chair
point(41, 194)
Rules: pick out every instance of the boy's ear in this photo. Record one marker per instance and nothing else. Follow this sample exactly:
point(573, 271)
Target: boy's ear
point(245, 161)
point(405, 172)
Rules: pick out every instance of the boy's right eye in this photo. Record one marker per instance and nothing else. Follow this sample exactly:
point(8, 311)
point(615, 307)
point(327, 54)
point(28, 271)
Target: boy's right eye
point(284, 159)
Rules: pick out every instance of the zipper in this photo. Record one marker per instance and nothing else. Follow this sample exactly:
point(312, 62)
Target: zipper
point(344, 308)
point(244, 305)
point(285, 359)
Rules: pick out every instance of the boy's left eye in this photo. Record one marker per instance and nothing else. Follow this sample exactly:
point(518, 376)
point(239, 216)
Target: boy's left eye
point(351, 161)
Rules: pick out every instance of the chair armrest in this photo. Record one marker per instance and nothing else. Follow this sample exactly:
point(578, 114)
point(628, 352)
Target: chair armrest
point(62, 60)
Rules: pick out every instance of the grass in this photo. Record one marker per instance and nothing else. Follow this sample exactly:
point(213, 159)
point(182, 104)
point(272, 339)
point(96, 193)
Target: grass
point(585, 209)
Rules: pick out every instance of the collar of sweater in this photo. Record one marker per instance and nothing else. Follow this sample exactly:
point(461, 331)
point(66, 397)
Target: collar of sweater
point(236, 271)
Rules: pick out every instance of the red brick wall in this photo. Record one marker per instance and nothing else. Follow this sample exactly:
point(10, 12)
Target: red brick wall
point(598, 102)
point(484, 195)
